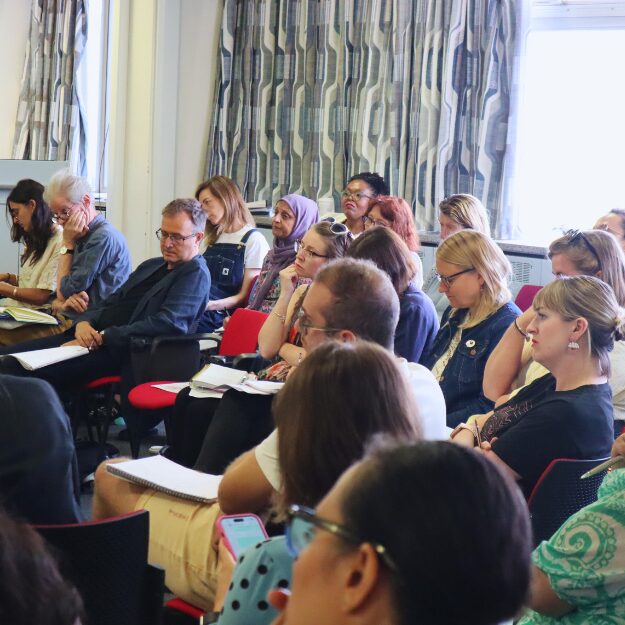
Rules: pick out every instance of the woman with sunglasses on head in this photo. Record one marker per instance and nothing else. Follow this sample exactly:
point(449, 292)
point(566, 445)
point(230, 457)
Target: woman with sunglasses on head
point(325, 417)
point(35, 286)
point(357, 196)
point(473, 273)
point(369, 554)
point(241, 419)
point(566, 413)
point(393, 212)
point(461, 211)
point(233, 249)
point(418, 323)
point(589, 253)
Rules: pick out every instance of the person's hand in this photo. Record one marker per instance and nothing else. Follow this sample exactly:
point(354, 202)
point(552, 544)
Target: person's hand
point(618, 448)
point(488, 445)
point(78, 302)
point(87, 336)
point(225, 568)
point(288, 280)
point(526, 318)
point(75, 227)
point(278, 599)
point(226, 321)
point(70, 343)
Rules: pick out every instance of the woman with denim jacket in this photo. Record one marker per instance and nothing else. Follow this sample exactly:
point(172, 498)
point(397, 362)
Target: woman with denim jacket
point(473, 273)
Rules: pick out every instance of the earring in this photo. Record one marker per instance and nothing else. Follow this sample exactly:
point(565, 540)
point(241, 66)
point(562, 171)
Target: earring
point(573, 345)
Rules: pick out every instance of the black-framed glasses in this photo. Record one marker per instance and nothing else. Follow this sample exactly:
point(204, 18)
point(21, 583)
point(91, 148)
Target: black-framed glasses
point(308, 253)
point(176, 239)
point(305, 325)
point(369, 221)
point(336, 227)
point(574, 235)
point(355, 195)
point(447, 281)
point(301, 527)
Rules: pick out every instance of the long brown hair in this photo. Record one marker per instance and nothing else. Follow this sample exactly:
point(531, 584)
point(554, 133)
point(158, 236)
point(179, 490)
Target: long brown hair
point(227, 192)
point(331, 406)
point(397, 212)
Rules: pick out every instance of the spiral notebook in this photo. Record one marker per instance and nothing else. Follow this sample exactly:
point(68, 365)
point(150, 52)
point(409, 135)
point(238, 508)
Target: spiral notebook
point(161, 474)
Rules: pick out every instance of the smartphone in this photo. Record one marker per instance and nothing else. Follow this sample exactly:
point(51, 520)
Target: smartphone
point(240, 531)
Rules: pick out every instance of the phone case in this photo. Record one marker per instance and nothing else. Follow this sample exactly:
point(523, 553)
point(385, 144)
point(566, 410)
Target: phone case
point(223, 530)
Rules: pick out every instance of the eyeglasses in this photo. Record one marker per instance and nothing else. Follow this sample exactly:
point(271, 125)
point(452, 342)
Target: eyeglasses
point(368, 221)
point(308, 253)
point(447, 281)
point(176, 239)
point(336, 227)
point(356, 195)
point(305, 325)
point(302, 526)
point(62, 214)
point(574, 235)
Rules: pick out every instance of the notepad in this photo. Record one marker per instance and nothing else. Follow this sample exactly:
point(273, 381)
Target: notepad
point(43, 357)
point(218, 379)
point(161, 474)
point(15, 316)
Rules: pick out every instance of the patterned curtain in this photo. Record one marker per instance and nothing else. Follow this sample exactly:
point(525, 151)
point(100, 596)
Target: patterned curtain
point(49, 116)
point(311, 92)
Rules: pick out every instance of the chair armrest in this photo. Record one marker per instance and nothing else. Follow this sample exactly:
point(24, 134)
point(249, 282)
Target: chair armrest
point(242, 361)
point(179, 338)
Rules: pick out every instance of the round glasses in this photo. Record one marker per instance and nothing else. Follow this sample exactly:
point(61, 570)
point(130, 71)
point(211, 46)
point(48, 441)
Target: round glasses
point(356, 195)
point(308, 252)
point(369, 222)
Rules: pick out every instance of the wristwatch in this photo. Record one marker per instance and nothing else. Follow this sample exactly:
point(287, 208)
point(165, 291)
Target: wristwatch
point(66, 250)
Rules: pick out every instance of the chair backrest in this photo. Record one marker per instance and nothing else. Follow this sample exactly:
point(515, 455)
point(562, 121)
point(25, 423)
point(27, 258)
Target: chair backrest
point(107, 561)
point(560, 492)
point(249, 290)
point(241, 333)
point(525, 296)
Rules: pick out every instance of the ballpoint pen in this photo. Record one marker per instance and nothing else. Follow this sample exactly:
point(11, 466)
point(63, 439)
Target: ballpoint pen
point(603, 466)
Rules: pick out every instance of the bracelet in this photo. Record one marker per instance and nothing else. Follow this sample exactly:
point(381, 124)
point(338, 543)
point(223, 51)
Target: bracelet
point(281, 317)
point(460, 427)
point(524, 334)
point(14, 292)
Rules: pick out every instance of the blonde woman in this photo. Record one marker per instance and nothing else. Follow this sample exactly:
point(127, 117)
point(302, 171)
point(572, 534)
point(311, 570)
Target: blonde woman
point(457, 212)
point(568, 412)
point(473, 273)
point(233, 249)
point(590, 253)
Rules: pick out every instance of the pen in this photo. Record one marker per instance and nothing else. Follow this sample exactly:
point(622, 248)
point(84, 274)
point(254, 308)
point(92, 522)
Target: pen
point(603, 466)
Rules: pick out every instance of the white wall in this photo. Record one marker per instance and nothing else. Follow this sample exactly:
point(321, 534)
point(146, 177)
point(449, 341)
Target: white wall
point(162, 82)
point(200, 27)
point(14, 25)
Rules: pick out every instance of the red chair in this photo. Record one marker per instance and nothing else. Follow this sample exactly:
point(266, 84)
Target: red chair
point(560, 492)
point(238, 344)
point(525, 296)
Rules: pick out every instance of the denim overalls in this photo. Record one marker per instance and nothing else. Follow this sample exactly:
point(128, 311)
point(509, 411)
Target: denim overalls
point(226, 263)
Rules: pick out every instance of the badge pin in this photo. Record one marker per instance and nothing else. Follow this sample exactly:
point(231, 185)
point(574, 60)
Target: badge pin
point(470, 343)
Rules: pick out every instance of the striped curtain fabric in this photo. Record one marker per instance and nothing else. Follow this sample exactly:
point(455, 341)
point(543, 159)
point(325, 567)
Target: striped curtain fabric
point(312, 92)
point(48, 114)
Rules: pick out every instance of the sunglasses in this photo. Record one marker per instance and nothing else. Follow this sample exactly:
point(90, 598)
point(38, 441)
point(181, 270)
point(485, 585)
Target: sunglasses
point(574, 235)
point(336, 227)
point(301, 527)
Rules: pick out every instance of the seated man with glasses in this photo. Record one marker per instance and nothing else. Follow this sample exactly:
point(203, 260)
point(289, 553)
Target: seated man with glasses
point(163, 296)
point(94, 260)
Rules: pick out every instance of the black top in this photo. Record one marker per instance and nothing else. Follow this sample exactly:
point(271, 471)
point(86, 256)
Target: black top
point(417, 325)
point(120, 313)
point(574, 424)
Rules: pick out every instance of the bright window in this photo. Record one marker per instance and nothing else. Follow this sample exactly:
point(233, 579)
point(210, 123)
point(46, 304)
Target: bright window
point(571, 127)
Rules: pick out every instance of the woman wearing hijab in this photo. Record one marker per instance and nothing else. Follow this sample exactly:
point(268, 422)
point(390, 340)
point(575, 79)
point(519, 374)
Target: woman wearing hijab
point(294, 215)
point(38, 471)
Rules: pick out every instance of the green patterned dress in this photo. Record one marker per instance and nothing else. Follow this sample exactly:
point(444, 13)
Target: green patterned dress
point(585, 561)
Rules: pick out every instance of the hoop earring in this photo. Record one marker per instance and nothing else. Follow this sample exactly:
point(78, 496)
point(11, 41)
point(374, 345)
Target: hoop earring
point(573, 345)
